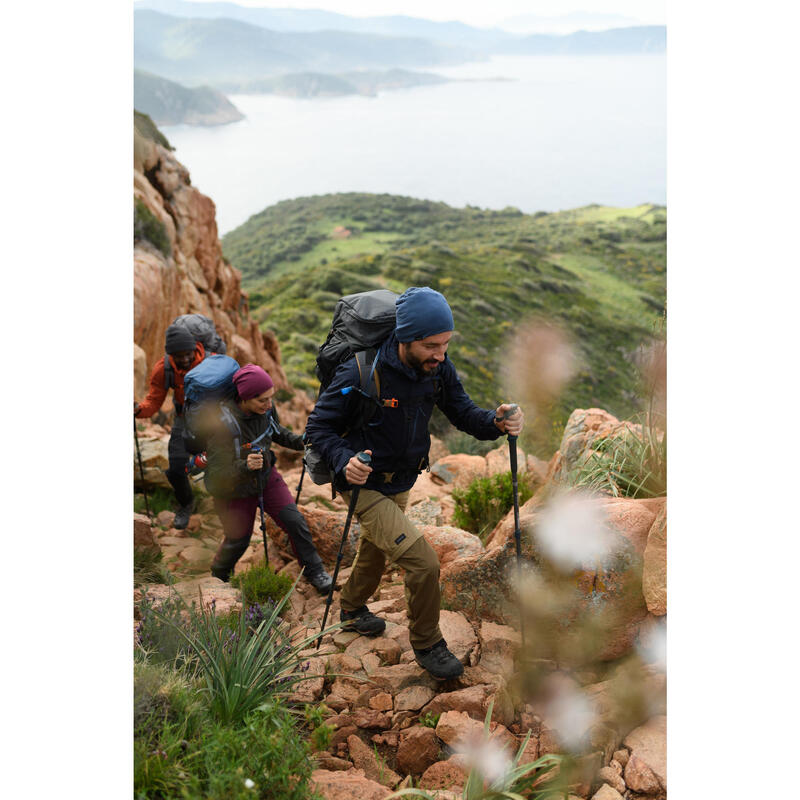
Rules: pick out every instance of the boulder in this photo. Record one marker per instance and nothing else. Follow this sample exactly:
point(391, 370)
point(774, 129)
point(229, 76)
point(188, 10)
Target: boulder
point(450, 774)
point(336, 785)
point(209, 590)
point(310, 690)
point(457, 728)
point(471, 701)
point(451, 544)
point(400, 676)
point(654, 570)
point(646, 770)
point(613, 778)
point(155, 462)
point(326, 529)
point(364, 758)
point(143, 537)
point(418, 749)
point(140, 376)
point(413, 698)
point(606, 792)
point(458, 633)
point(499, 647)
point(458, 470)
point(425, 512)
point(498, 460)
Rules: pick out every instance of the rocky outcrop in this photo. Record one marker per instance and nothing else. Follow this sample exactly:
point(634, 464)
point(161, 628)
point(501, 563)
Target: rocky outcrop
point(188, 274)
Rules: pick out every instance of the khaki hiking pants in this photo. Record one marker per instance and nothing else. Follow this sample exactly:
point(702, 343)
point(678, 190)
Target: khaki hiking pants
point(386, 533)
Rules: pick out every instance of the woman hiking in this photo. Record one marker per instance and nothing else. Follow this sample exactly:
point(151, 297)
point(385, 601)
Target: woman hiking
point(237, 480)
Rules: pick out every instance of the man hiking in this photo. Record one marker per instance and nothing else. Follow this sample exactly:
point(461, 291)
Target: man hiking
point(415, 374)
point(183, 353)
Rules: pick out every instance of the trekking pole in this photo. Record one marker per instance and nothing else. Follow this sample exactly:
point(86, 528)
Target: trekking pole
point(364, 458)
point(257, 449)
point(141, 468)
point(512, 457)
point(300, 485)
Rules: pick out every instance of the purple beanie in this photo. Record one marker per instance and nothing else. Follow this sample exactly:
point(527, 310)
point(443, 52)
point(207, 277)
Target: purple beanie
point(251, 381)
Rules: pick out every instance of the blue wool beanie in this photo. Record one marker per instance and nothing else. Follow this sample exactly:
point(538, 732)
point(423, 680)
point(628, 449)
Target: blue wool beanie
point(422, 312)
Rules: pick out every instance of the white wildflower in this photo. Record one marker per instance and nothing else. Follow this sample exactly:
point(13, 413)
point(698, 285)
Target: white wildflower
point(248, 784)
point(570, 714)
point(653, 647)
point(572, 532)
point(488, 758)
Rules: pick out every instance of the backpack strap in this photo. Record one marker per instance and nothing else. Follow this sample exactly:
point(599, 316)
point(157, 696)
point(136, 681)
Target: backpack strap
point(233, 427)
point(271, 428)
point(169, 377)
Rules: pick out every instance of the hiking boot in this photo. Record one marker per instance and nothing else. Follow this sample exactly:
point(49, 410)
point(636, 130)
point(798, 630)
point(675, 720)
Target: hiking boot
point(362, 621)
point(320, 580)
point(182, 516)
point(221, 573)
point(439, 661)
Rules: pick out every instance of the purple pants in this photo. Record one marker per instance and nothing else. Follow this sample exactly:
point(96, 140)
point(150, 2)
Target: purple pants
point(238, 515)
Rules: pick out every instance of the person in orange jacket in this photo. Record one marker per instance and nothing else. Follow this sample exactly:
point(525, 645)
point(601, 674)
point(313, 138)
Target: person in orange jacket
point(183, 353)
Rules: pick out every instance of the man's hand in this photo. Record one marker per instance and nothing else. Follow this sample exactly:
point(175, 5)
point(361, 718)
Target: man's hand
point(255, 461)
point(356, 472)
point(513, 424)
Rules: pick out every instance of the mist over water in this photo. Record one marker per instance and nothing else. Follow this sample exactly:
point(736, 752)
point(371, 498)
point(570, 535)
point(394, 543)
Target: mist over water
point(569, 131)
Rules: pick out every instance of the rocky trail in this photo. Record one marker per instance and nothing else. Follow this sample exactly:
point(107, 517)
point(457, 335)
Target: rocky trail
point(392, 722)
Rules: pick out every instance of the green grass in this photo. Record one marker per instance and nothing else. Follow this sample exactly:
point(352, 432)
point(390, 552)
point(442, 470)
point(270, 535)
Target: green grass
point(597, 272)
point(147, 227)
point(148, 567)
point(159, 499)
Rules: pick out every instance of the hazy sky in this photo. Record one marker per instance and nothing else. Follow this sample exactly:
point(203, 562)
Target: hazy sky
point(475, 12)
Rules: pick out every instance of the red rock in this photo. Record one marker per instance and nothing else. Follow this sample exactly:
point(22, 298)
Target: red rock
point(459, 469)
point(612, 778)
point(456, 727)
point(371, 718)
point(606, 792)
point(195, 522)
point(648, 746)
point(470, 700)
point(387, 649)
point(143, 532)
point(458, 633)
point(335, 785)
point(499, 647)
point(329, 762)
point(400, 676)
point(381, 702)
point(364, 758)
point(165, 518)
point(451, 543)
point(413, 698)
point(418, 749)
point(654, 570)
point(450, 774)
point(498, 461)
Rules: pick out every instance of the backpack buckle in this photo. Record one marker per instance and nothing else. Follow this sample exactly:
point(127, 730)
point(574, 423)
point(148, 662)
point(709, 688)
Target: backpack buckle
point(390, 402)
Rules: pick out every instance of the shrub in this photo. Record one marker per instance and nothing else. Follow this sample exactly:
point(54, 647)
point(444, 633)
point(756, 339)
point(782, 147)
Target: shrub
point(147, 227)
point(460, 442)
point(429, 720)
point(260, 584)
point(632, 464)
point(486, 501)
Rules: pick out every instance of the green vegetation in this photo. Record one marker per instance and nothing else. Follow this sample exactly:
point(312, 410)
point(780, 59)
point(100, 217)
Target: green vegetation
point(148, 567)
point(429, 720)
point(630, 464)
point(159, 499)
point(182, 751)
point(260, 584)
point(211, 713)
point(598, 272)
point(147, 227)
point(486, 501)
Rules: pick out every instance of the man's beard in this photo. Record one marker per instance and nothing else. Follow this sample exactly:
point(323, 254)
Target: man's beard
point(419, 365)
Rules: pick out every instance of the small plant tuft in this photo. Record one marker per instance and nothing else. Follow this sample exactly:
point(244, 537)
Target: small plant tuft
point(260, 584)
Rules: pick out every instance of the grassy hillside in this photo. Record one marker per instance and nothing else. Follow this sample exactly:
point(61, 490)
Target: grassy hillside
point(598, 271)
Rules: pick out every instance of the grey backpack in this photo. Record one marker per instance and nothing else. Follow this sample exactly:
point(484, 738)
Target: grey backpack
point(203, 330)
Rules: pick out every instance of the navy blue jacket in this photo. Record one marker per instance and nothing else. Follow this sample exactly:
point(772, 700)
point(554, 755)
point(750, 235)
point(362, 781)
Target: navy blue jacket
point(398, 437)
